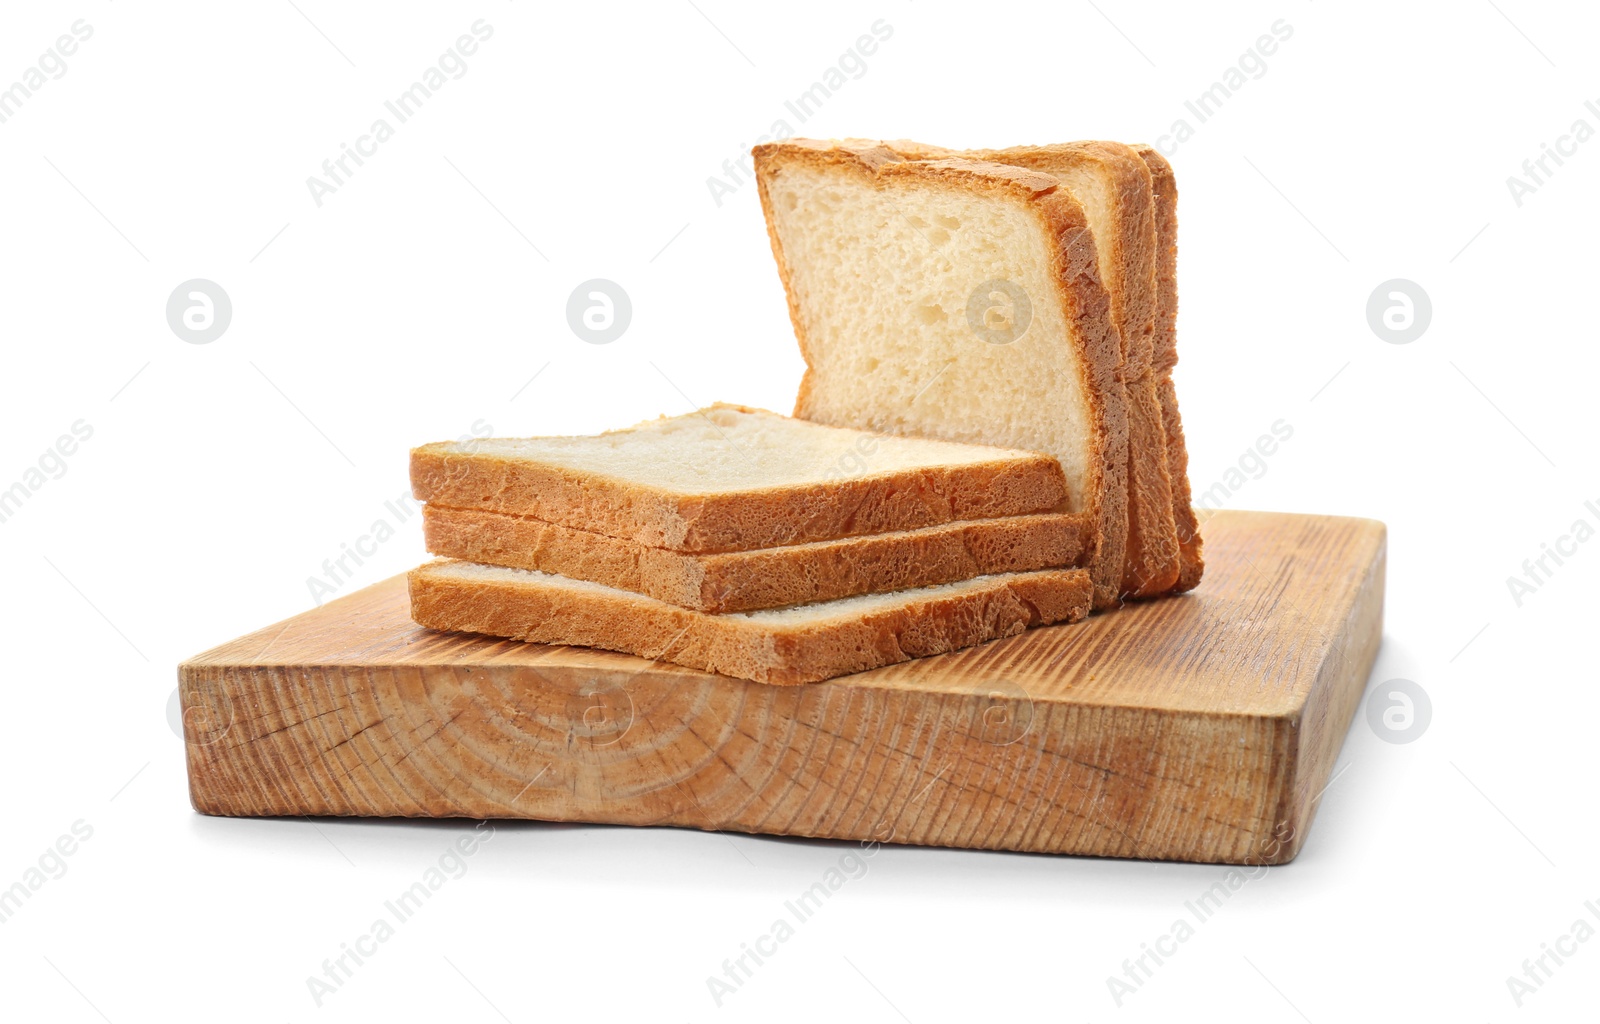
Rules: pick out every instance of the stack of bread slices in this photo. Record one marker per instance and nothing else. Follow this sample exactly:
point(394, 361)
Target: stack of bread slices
point(986, 437)
point(747, 543)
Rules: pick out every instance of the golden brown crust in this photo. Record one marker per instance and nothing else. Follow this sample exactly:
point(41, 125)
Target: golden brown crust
point(1010, 484)
point(1164, 186)
point(766, 577)
point(1083, 296)
point(1190, 546)
point(1164, 357)
point(923, 624)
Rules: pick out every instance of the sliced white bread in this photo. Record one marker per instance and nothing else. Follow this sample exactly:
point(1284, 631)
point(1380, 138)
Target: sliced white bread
point(793, 645)
point(1164, 356)
point(901, 275)
point(771, 577)
point(728, 478)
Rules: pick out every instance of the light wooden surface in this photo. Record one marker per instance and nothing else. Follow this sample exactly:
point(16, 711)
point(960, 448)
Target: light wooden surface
point(1200, 727)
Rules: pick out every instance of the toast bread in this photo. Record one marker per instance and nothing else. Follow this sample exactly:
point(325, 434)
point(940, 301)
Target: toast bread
point(729, 478)
point(773, 577)
point(786, 646)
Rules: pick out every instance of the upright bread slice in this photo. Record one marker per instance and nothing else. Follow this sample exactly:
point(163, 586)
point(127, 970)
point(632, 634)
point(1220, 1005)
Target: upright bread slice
point(791, 645)
point(899, 275)
point(1165, 357)
point(737, 581)
point(728, 478)
point(1114, 186)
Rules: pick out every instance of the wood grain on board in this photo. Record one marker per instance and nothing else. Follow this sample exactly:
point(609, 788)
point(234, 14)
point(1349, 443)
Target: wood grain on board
point(1201, 727)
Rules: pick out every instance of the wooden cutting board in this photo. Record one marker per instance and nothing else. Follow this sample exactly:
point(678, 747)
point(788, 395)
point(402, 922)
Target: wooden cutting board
point(1198, 728)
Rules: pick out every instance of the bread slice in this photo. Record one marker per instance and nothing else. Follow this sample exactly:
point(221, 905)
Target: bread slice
point(1164, 357)
point(739, 581)
point(728, 478)
point(894, 270)
point(792, 645)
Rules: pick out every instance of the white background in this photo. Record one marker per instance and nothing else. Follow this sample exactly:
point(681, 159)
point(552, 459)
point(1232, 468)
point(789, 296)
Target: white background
point(427, 291)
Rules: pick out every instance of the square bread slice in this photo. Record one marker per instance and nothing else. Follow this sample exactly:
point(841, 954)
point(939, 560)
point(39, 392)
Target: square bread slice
point(729, 478)
point(803, 644)
point(956, 299)
point(1165, 357)
point(737, 581)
